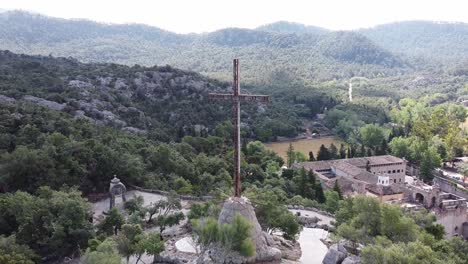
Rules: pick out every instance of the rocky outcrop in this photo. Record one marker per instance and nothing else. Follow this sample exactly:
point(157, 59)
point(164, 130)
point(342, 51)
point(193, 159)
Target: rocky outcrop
point(46, 103)
point(6, 99)
point(335, 255)
point(290, 250)
point(352, 260)
point(264, 252)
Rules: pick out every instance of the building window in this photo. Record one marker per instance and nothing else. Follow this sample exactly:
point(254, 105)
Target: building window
point(400, 180)
point(389, 171)
point(398, 171)
point(394, 180)
point(394, 171)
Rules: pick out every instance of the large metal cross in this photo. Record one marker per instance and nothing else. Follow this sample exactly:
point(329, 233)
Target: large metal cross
point(236, 98)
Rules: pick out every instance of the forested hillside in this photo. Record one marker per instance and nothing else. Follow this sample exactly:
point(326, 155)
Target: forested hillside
point(315, 55)
point(305, 52)
point(443, 42)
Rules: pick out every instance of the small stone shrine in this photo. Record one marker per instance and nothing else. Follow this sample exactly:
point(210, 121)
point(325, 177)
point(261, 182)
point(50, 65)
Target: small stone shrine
point(116, 188)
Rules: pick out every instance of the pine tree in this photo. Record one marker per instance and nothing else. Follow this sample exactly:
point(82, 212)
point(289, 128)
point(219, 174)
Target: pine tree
point(290, 155)
point(353, 151)
point(312, 183)
point(320, 196)
point(362, 152)
point(305, 187)
point(333, 151)
point(337, 189)
point(323, 153)
point(342, 151)
point(384, 147)
point(311, 156)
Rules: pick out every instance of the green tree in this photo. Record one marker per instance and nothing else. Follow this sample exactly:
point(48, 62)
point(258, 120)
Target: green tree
point(150, 244)
point(350, 233)
point(323, 153)
point(272, 213)
point(332, 200)
point(127, 240)
point(305, 183)
point(336, 188)
point(166, 212)
point(430, 160)
point(135, 204)
point(105, 253)
point(52, 223)
point(12, 252)
point(290, 155)
point(333, 151)
point(342, 151)
point(112, 223)
point(372, 135)
point(311, 156)
point(320, 195)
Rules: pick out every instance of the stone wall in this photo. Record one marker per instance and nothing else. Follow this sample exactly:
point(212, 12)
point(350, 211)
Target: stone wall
point(453, 221)
point(449, 187)
point(182, 197)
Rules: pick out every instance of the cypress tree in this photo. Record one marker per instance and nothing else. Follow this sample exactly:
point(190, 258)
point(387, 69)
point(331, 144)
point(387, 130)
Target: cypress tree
point(311, 156)
point(320, 196)
point(342, 151)
point(333, 151)
point(290, 155)
point(323, 153)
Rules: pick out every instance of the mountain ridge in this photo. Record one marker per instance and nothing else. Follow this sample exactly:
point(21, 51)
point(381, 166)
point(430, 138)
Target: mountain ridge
point(210, 53)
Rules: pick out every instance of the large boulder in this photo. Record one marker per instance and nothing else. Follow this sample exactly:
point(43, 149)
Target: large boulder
point(335, 255)
point(290, 250)
point(352, 260)
point(264, 252)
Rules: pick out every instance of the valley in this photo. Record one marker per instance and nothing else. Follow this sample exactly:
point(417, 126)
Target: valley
point(94, 111)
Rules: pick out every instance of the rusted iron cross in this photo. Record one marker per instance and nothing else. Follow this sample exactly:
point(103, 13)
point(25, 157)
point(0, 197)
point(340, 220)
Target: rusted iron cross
point(236, 98)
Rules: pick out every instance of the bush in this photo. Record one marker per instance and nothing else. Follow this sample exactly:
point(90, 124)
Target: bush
point(233, 236)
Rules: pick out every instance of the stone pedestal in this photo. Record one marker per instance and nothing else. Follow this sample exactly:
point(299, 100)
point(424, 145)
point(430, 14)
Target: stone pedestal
point(265, 253)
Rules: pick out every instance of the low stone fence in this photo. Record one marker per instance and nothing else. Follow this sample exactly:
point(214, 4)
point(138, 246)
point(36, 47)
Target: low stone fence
point(180, 196)
point(450, 187)
point(313, 209)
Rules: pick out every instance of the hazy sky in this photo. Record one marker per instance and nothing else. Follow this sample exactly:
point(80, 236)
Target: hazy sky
point(184, 16)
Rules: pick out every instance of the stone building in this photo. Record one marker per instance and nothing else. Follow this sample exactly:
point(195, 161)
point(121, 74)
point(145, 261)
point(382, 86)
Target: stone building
point(383, 177)
point(357, 175)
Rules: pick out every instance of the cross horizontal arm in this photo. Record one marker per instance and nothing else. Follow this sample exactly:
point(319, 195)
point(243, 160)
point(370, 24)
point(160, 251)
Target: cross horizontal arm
point(240, 97)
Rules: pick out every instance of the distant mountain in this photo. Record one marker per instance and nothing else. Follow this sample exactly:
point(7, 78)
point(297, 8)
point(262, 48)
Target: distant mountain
point(263, 52)
point(290, 27)
point(446, 41)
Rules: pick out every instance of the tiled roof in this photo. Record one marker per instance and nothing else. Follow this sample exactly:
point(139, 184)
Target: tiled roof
point(355, 167)
point(374, 160)
point(314, 165)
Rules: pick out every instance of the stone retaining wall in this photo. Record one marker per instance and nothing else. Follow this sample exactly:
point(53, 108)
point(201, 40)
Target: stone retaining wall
point(449, 187)
point(300, 207)
point(182, 197)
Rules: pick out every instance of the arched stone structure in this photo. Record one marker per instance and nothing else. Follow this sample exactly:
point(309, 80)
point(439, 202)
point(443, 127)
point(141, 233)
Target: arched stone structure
point(116, 188)
point(418, 197)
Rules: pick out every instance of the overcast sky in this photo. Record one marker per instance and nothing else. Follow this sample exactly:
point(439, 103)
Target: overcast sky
point(185, 16)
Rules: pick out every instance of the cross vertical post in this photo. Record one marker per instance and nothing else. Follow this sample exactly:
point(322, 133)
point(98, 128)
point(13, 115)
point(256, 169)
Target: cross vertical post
point(236, 97)
point(236, 110)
